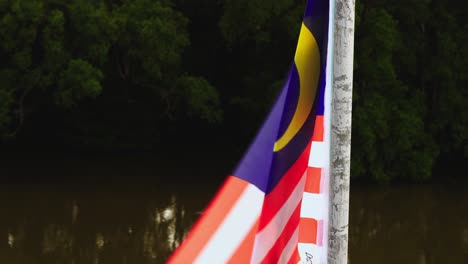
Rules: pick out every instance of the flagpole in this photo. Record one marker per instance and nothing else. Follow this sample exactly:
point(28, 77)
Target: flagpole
point(341, 130)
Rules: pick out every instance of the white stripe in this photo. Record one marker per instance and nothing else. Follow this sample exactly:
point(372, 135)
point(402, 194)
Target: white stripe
point(314, 206)
point(266, 238)
point(311, 253)
point(234, 228)
point(318, 154)
point(289, 248)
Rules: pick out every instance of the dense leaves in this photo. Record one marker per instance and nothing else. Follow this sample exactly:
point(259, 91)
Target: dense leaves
point(58, 54)
point(127, 73)
point(408, 90)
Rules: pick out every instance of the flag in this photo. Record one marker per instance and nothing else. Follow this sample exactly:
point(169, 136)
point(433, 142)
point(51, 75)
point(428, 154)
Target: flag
point(274, 206)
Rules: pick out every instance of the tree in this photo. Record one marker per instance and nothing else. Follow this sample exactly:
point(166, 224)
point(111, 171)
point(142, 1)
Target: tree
point(38, 60)
point(66, 55)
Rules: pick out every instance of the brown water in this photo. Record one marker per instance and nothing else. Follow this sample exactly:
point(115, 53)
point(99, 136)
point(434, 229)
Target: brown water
point(135, 210)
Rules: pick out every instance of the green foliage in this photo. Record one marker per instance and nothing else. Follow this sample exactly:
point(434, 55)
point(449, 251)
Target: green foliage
point(59, 53)
point(407, 95)
point(152, 37)
point(257, 17)
point(201, 98)
point(79, 80)
point(111, 71)
point(96, 28)
point(373, 104)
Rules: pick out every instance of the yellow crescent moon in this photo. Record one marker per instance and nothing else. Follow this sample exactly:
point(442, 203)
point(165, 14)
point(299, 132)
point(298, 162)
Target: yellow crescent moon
point(307, 59)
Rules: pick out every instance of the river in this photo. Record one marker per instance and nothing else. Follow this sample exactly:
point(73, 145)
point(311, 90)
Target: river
point(137, 209)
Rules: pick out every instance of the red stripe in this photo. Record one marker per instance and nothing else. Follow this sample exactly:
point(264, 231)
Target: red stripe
point(243, 253)
point(313, 180)
point(295, 257)
point(280, 194)
point(318, 129)
point(210, 221)
point(308, 230)
point(275, 252)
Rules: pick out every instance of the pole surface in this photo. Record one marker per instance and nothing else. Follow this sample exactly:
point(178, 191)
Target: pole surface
point(341, 131)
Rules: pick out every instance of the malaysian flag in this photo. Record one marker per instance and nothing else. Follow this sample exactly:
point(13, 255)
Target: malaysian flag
point(274, 207)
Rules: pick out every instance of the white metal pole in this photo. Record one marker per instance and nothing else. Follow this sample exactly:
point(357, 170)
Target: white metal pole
point(341, 131)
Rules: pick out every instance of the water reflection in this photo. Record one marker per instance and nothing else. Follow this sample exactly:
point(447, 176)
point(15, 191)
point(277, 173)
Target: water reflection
point(48, 227)
point(419, 224)
point(93, 209)
point(111, 221)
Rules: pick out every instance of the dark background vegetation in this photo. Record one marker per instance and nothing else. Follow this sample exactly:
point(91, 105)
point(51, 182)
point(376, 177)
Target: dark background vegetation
point(128, 76)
